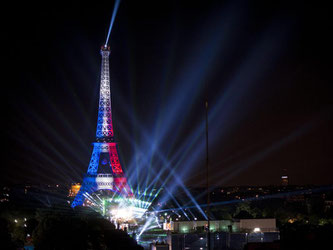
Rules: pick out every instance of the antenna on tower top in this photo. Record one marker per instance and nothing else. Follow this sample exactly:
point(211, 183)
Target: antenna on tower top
point(115, 9)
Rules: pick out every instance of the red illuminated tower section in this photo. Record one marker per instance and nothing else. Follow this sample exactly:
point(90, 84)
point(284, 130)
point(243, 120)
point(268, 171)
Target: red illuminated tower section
point(104, 171)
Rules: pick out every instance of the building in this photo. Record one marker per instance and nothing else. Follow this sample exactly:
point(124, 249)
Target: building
point(256, 225)
point(225, 234)
point(284, 180)
point(241, 225)
point(74, 189)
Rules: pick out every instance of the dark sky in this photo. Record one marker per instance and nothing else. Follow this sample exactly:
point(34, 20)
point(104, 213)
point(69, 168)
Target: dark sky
point(265, 67)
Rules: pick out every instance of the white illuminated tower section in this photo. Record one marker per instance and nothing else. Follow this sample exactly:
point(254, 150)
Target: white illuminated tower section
point(104, 131)
point(104, 171)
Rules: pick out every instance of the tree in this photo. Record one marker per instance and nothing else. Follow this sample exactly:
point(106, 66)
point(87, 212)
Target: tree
point(79, 230)
point(5, 237)
point(244, 211)
point(243, 214)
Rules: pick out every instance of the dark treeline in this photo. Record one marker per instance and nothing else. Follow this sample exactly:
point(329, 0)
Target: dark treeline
point(61, 228)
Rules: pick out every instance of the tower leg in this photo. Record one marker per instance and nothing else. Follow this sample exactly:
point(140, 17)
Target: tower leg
point(88, 187)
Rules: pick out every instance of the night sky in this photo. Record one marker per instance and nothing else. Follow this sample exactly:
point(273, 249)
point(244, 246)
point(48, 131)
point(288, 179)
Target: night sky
point(265, 67)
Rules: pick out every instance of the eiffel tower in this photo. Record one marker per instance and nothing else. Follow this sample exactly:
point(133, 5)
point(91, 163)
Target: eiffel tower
point(104, 171)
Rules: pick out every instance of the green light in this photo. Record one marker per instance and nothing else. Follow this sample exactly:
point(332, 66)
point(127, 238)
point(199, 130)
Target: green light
point(184, 229)
point(104, 209)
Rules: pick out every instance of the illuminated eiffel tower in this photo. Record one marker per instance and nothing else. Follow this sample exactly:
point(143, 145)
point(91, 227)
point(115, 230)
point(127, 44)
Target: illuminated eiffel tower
point(104, 171)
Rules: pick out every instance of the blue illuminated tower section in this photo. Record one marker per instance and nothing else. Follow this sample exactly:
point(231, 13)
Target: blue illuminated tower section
point(104, 170)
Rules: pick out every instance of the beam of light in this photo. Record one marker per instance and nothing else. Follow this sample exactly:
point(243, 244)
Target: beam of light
point(61, 118)
point(92, 200)
point(50, 139)
point(243, 84)
point(114, 13)
point(179, 182)
point(43, 155)
point(149, 224)
point(176, 175)
point(153, 151)
point(204, 54)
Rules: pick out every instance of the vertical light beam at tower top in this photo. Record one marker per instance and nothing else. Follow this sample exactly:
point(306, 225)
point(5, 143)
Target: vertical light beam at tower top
point(115, 9)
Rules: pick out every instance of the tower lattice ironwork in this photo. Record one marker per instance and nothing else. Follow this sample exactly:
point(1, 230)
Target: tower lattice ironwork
point(104, 170)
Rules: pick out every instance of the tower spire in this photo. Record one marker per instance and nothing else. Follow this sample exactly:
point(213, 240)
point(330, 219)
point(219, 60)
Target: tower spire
point(104, 131)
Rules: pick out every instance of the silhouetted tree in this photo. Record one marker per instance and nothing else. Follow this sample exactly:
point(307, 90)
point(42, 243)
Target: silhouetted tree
point(81, 229)
point(243, 214)
point(243, 211)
